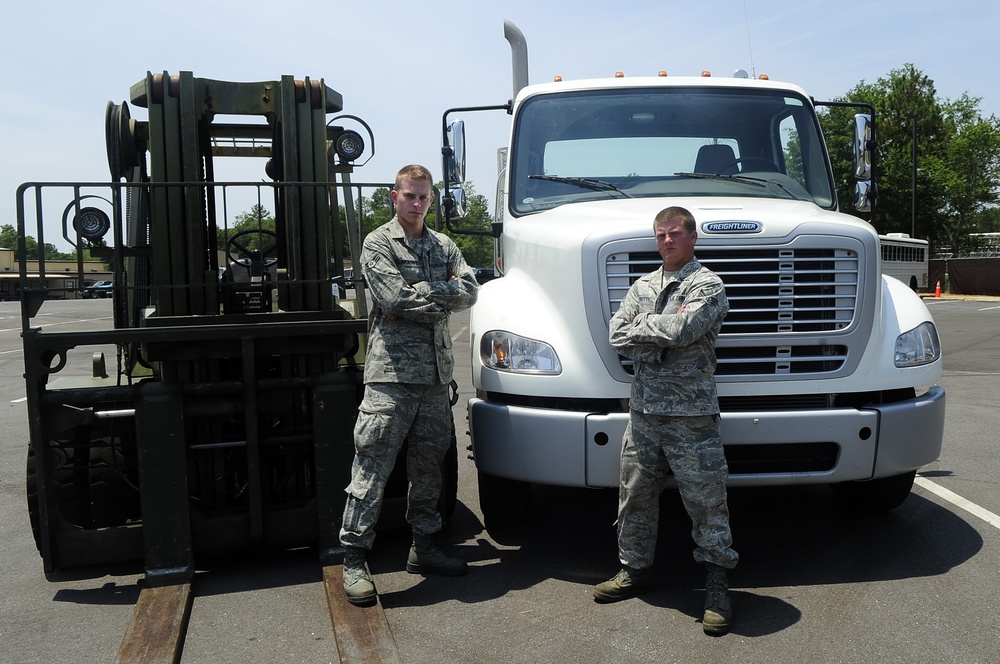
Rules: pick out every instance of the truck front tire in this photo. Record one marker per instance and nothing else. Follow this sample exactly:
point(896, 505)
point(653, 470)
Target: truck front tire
point(504, 502)
point(878, 495)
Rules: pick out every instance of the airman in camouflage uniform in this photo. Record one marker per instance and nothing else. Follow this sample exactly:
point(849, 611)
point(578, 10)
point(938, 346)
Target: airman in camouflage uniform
point(668, 324)
point(417, 278)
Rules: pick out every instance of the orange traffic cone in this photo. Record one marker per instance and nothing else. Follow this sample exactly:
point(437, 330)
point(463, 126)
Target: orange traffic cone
point(937, 290)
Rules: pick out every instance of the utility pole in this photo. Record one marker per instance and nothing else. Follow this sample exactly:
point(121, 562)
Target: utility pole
point(913, 188)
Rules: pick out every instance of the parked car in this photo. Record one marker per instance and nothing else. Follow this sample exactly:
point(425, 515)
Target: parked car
point(96, 290)
point(484, 274)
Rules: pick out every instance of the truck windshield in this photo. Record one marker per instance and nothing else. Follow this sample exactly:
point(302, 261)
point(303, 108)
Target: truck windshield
point(667, 141)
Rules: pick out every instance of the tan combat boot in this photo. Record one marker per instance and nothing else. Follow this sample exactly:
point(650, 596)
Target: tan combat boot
point(629, 582)
point(358, 585)
point(426, 558)
point(718, 609)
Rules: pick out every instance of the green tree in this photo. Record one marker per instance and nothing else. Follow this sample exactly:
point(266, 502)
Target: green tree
point(904, 95)
point(377, 209)
point(971, 172)
point(370, 213)
point(8, 237)
point(477, 249)
point(957, 158)
point(8, 240)
point(257, 218)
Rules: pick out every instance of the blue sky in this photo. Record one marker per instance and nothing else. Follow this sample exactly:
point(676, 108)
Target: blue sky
point(400, 65)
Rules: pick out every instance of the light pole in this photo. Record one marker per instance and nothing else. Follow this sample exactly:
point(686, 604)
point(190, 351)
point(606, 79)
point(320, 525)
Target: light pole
point(913, 187)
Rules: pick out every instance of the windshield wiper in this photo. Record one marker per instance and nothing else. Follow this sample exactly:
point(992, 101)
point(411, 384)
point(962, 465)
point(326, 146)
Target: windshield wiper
point(598, 185)
point(745, 179)
point(721, 176)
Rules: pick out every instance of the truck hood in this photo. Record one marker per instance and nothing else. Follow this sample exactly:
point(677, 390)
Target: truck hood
point(766, 219)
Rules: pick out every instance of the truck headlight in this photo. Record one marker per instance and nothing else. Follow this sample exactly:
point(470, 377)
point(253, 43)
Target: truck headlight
point(504, 351)
point(917, 347)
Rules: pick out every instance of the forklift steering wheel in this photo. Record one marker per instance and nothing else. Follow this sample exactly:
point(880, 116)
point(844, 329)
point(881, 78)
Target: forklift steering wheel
point(237, 250)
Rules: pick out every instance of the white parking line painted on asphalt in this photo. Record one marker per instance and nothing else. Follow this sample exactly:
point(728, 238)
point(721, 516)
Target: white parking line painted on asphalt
point(460, 332)
point(957, 500)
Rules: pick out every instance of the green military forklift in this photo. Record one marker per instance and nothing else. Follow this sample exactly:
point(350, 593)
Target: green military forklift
point(215, 412)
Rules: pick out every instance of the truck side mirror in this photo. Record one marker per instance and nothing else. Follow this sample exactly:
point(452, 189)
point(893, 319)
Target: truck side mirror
point(453, 202)
point(456, 159)
point(864, 146)
point(865, 194)
point(865, 191)
point(453, 197)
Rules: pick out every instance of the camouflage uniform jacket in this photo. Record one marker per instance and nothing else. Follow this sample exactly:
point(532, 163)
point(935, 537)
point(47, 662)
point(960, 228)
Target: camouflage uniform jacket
point(670, 332)
point(414, 293)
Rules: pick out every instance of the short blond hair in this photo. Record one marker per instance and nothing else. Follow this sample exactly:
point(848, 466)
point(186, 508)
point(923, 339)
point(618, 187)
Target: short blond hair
point(676, 212)
point(412, 172)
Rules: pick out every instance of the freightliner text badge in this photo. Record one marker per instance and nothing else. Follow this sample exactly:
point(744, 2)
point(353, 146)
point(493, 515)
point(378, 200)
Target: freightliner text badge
point(732, 227)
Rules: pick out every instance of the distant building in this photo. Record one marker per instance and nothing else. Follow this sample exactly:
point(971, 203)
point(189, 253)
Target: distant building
point(62, 277)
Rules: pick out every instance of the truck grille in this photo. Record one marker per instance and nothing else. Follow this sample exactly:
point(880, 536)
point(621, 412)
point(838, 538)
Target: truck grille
point(796, 296)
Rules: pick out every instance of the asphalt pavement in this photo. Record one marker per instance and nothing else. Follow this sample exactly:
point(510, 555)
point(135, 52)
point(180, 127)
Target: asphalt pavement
point(815, 583)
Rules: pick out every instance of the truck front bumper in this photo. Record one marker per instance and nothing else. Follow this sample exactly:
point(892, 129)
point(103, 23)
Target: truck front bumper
point(570, 448)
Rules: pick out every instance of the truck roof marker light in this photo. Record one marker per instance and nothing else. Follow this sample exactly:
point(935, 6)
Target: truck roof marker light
point(619, 74)
point(764, 77)
point(706, 74)
point(557, 79)
point(661, 73)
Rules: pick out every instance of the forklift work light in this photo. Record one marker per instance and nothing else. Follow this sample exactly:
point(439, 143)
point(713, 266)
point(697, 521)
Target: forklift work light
point(349, 145)
point(91, 223)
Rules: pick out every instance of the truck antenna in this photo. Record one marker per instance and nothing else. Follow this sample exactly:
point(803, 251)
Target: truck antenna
point(746, 18)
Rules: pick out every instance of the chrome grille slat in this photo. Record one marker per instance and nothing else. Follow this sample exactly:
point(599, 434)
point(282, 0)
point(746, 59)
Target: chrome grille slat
point(796, 293)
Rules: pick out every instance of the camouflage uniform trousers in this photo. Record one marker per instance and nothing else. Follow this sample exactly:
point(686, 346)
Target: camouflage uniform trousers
point(387, 414)
point(691, 447)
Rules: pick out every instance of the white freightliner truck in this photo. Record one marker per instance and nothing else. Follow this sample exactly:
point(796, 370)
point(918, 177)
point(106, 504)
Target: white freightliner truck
point(827, 370)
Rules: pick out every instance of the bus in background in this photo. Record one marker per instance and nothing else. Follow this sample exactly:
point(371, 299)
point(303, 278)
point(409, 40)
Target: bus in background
point(905, 258)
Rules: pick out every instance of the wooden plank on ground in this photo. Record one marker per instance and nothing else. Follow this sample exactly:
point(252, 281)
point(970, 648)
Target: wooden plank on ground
point(155, 634)
point(362, 632)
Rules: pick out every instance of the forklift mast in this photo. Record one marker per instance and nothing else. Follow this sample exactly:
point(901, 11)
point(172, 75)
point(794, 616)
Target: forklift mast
point(227, 421)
